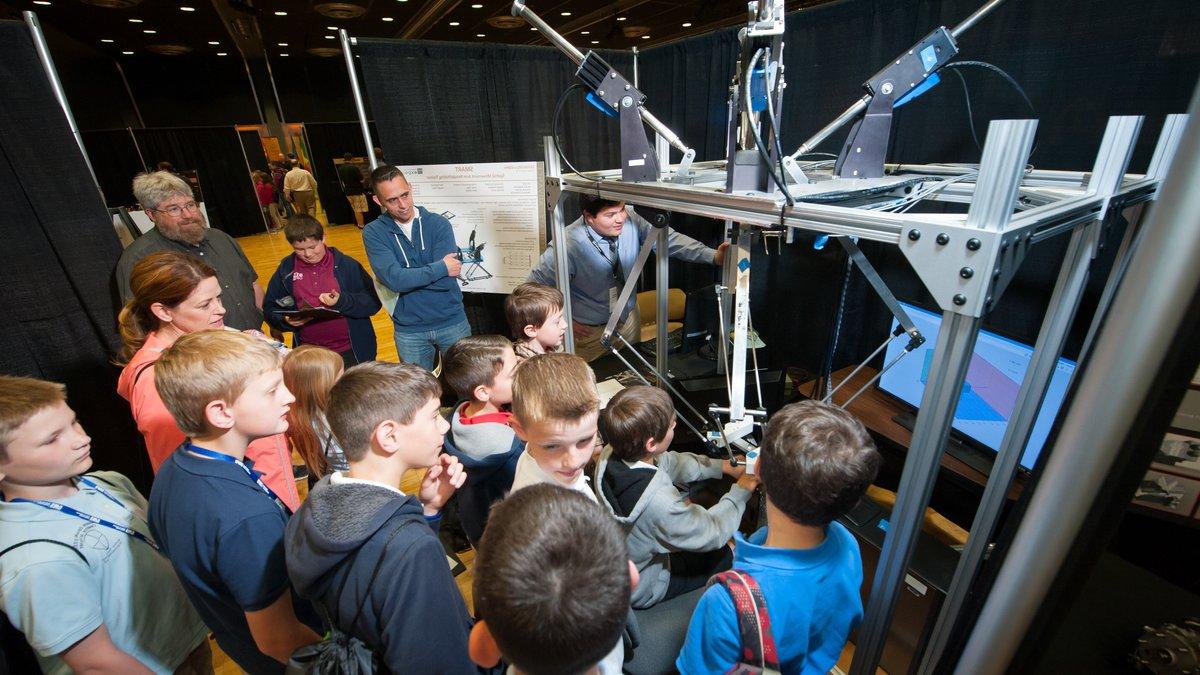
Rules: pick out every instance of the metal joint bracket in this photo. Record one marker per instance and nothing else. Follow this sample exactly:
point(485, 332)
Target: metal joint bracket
point(554, 188)
point(770, 24)
point(953, 262)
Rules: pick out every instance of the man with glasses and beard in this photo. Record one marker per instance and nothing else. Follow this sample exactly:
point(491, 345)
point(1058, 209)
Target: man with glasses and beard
point(179, 226)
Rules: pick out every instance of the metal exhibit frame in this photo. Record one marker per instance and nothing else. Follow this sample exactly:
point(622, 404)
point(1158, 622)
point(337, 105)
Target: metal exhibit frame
point(965, 261)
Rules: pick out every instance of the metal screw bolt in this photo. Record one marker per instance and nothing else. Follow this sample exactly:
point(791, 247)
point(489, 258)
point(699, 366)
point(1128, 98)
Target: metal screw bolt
point(1003, 246)
point(613, 74)
point(626, 87)
point(960, 299)
point(973, 244)
point(914, 235)
point(600, 92)
point(886, 88)
point(996, 273)
point(627, 102)
point(989, 301)
point(966, 273)
point(943, 238)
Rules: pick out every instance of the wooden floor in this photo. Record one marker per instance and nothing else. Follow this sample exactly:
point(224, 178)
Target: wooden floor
point(265, 251)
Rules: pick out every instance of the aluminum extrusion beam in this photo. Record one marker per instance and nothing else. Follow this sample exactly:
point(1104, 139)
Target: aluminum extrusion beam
point(662, 266)
point(1151, 302)
point(359, 106)
point(1004, 154)
point(554, 208)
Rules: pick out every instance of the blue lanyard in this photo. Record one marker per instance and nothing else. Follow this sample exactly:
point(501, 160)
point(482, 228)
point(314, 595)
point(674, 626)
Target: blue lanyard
point(63, 508)
point(254, 475)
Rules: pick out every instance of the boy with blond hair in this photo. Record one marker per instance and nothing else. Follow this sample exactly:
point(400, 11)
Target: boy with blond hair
point(817, 460)
point(365, 551)
point(552, 584)
point(535, 316)
point(80, 574)
point(675, 544)
point(555, 411)
point(215, 518)
point(480, 369)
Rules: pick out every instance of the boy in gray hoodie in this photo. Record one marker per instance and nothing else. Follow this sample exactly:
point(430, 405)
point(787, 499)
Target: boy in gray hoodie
point(675, 545)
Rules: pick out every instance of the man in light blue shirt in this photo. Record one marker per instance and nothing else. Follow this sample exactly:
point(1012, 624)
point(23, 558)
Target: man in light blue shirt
point(601, 251)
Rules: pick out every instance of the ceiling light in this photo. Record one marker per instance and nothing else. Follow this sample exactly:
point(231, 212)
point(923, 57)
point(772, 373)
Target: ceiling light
point(476, 6)
point(187, 9)
point(388, 18)
point(331, 28)
point(106, 40)
point(534, 28)
point(135, 21)
point(595, 42)
point(453, 23)
point(150, 32)
point(213, 42)
point(330, 37)
point(645, 37)
point(687, 25)
point(283, 44)
point(585, 32)
point(280, 13)
point(126, 53)
point(566, 14)
point(44, 3)
point(480, 35)
point(222, 54)
point(283, 54)
point(620, 18)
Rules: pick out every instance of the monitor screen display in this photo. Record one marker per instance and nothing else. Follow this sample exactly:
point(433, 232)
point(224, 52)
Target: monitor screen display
point(993, 379)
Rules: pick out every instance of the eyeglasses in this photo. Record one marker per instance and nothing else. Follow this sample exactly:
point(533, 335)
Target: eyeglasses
point(177, 210)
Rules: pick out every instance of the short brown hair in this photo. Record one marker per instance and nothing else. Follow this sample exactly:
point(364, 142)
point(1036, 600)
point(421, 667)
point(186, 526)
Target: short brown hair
point(530, 304)
point(385, 172)
point(22, 398)
point(207, 366)
point(817, 461)
point(472, 361)
point(558, 386)
point(596, 204)
point(552, 580)
point(302, 226)
point(633, 416)
point(371, 393)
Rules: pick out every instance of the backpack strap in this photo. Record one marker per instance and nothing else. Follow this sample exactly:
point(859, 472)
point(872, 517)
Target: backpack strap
point(759, 654)
point(137, 374)
point(46, 541)
point(371, 582)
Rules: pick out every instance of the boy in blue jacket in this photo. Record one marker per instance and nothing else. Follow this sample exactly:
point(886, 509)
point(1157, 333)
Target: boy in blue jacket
point(817, 461)
point(359, 542)
point(480, 369)
point(317, 276)
point(414, 254)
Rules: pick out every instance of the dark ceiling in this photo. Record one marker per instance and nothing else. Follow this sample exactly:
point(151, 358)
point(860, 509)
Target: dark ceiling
point(288, 28)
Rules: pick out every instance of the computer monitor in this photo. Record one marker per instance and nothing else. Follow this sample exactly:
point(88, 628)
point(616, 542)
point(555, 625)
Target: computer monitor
point(990, 393)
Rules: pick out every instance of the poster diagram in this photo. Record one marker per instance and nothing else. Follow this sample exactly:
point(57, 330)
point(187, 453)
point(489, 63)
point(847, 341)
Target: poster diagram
point(496, 210)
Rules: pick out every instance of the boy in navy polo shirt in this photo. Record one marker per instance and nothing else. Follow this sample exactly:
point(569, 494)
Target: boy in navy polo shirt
point(816, 462)
point(217, 521)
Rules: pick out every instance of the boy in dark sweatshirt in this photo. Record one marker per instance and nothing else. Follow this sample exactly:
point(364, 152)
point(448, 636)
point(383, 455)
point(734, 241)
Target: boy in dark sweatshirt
point(358, 523)
point(675, 545)
point(480, 369)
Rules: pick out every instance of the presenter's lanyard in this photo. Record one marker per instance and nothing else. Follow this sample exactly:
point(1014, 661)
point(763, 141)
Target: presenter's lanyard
point(63, 508)
point(615, 260)
point(254, 475)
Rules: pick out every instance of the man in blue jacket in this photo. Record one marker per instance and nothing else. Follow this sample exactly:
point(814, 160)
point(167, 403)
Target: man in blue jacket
point(319, 276)
point(413, 253)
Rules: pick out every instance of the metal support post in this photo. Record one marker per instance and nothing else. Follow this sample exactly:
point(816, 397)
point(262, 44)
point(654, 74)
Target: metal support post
point(661, 264)
point(1151, 302)
point(741, 317)
point(359, 106)
point(1111, 161)
point(1004, 156)
point(554, 212)
point(43, 54)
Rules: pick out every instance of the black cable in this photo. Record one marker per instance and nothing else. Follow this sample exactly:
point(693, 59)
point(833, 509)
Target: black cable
point(970, 113)
point(554, 127)
point(775, 129)
point(1005, 76)
point(758, 141)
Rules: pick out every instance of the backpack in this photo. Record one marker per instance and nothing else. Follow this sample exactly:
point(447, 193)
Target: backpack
point(759, 655)
point(341, 653)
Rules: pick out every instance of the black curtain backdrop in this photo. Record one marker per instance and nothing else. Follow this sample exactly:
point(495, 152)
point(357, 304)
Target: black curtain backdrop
point(216, 154)
point(59, 323)
point(190, 90)
point(116, 161)
point(329, 141)
point(256, 157)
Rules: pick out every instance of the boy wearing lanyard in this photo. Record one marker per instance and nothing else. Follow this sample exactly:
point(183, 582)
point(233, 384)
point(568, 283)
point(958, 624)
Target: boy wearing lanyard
point(80, 574)
point(218, 522)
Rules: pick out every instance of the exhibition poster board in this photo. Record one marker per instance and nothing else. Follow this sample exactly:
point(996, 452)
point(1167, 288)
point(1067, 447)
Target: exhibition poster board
point(498, 214)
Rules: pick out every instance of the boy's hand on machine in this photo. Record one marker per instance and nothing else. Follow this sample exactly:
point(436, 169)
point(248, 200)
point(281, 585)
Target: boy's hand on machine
point(731, 470)
point(719, 258)
point(453, 264)
point(440, 482)
point(748, 481)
